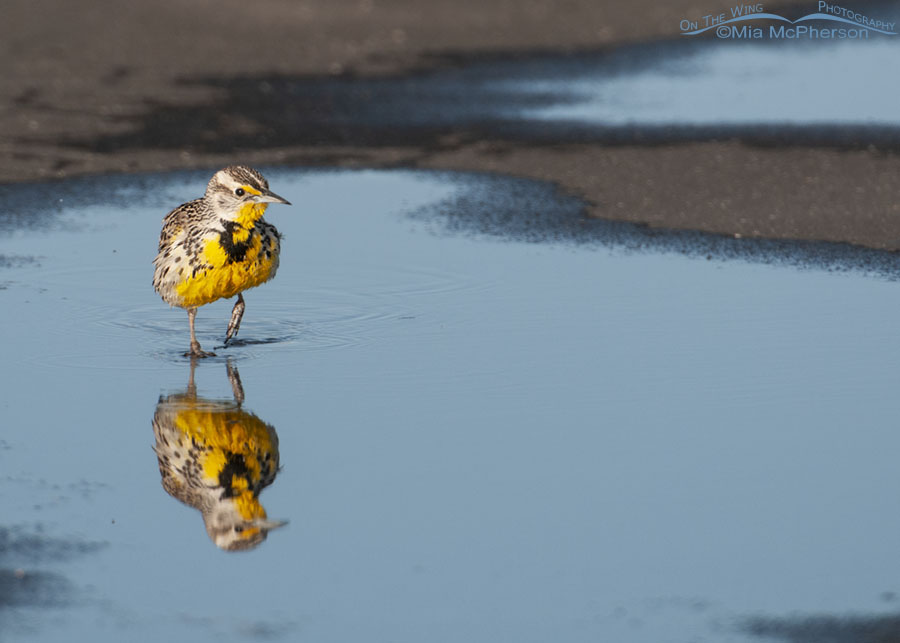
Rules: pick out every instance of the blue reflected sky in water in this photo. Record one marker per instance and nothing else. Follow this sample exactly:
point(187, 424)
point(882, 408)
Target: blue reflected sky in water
point(481, 440)
point(735, 83)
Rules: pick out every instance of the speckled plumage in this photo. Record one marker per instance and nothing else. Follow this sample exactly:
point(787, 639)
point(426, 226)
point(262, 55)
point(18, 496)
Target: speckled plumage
point(218, 246)
point(216, 457)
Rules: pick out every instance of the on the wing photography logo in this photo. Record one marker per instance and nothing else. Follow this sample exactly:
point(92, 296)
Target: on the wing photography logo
point(829, 22)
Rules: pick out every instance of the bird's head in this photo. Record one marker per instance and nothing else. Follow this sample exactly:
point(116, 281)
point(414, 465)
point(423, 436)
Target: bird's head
point(233, 527)
point(240, 193)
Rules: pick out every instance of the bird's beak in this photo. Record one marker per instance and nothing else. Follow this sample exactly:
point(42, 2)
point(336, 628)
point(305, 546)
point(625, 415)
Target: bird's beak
point(262, 523)
point(270, 197)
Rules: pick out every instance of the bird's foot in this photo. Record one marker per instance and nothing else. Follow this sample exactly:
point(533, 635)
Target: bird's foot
point(197, 352)
point(234, 324)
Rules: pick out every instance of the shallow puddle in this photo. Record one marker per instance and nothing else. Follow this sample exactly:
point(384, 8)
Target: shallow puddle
point(728, 83)
point(687, 89)
point(480, 438)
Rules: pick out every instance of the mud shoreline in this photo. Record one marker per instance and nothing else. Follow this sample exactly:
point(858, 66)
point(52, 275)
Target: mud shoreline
point(90, 90)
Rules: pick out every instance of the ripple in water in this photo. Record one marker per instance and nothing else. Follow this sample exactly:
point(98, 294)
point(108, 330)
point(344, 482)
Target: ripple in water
point(462, 413)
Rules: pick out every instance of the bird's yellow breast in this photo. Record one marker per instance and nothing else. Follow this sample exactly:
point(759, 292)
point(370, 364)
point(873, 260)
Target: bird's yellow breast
point(225, 278)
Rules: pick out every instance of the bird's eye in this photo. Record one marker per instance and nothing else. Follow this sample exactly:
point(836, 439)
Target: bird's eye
point(238, 529)
point(239, 191)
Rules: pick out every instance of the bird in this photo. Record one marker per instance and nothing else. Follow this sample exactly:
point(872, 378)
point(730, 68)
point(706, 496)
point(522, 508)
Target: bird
point(216, 457)
point(217, 246)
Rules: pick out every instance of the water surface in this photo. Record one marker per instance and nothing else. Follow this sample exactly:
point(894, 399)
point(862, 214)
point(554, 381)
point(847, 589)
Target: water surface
point(731, 83)
point(482, 437)
point(687, 89)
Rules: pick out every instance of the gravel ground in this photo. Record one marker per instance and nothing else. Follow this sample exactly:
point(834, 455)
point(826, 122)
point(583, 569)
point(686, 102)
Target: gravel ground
point(99, 87)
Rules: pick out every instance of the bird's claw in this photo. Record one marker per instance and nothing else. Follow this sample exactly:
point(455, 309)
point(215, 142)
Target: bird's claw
point(196, 352)
point(199, 354)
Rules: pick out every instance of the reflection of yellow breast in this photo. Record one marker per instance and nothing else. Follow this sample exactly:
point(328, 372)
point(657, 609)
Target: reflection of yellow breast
point(226, 278)
point(225, 434)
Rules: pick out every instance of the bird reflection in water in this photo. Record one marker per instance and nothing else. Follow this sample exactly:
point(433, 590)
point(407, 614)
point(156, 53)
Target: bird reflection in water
point(217, 457)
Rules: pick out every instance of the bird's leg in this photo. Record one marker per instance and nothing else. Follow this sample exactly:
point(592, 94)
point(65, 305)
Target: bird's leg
point(192, 386)
point(195, 345)
point(235, 322)
point(237, 389)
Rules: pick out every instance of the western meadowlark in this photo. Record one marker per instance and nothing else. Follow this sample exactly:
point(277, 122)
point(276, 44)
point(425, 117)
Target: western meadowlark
point(218, 246)
point(216, 457)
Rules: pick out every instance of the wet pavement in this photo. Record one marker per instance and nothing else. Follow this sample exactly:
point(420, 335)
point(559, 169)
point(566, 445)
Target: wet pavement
point(536, 428)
